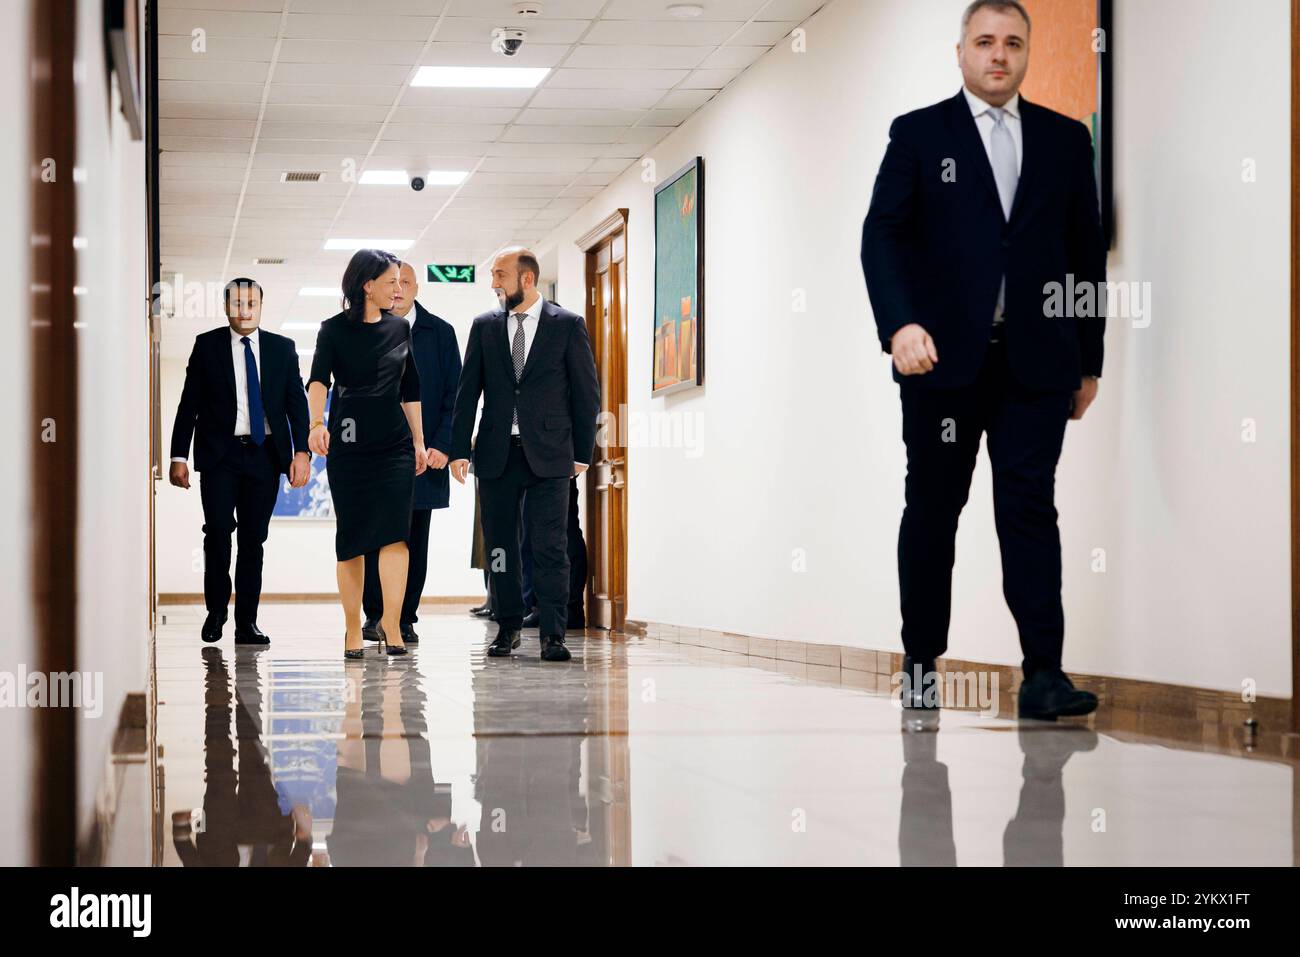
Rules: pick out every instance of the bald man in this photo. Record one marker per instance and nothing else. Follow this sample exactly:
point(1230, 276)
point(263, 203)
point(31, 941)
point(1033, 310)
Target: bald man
point(532, 363)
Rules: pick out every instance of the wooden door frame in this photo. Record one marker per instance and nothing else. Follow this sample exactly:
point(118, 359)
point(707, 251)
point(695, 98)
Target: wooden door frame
point(588, 243)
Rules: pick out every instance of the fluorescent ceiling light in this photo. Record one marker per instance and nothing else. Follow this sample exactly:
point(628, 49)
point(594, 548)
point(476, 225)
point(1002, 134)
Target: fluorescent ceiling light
point(319, 291)
point(388, 244)
point(400, 177)
point(299, 325)
point(494, 77)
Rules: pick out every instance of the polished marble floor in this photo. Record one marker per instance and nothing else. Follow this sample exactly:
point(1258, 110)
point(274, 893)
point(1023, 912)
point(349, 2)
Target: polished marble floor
point(646, 752)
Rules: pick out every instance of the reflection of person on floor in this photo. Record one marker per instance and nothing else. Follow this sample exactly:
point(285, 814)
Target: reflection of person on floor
point(577, 566)
point(528, 785)
point(1034, 837)
point(925, 819)
point(242, 823)
point(390, 813)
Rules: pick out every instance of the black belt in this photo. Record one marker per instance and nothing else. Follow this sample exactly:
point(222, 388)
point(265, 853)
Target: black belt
point(248, 439)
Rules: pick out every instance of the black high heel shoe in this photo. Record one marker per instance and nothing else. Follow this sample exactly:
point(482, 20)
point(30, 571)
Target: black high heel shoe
point(390, 649)
point(352, 654)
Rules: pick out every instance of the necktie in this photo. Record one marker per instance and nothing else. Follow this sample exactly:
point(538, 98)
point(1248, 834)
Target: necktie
point(517, 357)
point(1006, 172)
point(256, 417)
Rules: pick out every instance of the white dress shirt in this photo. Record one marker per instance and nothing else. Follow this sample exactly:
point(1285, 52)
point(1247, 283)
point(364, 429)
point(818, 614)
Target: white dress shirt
point(984, 122)
point(242, 426)
point(531, 316)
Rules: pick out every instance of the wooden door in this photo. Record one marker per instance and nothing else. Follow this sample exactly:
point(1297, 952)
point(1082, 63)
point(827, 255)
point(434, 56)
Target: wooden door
point(606, 250)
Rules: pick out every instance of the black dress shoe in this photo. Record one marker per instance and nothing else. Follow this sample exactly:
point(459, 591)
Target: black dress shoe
point(372, 630)
point(532, 619)
point(212, 626)
point(920, 690)
point(553, 649)
point(484, 613)
point(507, 640)
point(250, 635)
point(480, 610)
point(409, 636)
point(1048, 695)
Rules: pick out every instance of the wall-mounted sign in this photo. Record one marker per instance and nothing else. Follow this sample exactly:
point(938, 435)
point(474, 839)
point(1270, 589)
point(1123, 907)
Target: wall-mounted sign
point(440, 273)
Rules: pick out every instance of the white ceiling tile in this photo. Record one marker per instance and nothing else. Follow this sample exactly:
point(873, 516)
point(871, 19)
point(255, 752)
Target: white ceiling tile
point(341, 55)
point(541, 30)
point(615, 79)
point(431, 96)
point(666, 117)
point(534, 117)
point(610, 164)
point(375, 75)
point(436, 133)
point(167, 159)
point(561, 134)
point(709, 79)
point(497, 9)
point(264, 6)
point(203, 144)
point(331, 94)
point(217, 48)
point(193, 91)
point(212, 71)
point(395, 29)
point(594, 57)
point(541, 164)
point(482, 54)
point(797, 10)
point(686, 99)
point(373, 8)
point(732, 58)
point(228, 110)
point(663, 32)
point(217, 23)
point(477, 116)
point(763, 34)
point(713, 10)
point(645, 136)
point(359, 131)
point(553, 98)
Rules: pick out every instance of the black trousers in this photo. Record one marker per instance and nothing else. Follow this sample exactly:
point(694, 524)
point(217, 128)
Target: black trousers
point(502, 498)
point(577, 555)
point(238, 495)
point(417, 545)
point(1025, 430)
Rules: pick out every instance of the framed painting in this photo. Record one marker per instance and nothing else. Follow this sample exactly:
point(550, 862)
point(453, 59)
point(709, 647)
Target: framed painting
point(679, 281)
point(1070, 71)
point(313, 499)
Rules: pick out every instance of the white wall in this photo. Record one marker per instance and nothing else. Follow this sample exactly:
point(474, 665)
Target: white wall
point(16, 645)
point(800, 443)
point(299, 554)
point(113, 431)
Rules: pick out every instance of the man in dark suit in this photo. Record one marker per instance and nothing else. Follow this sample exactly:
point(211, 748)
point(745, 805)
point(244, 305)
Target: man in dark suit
point(244, 406)
point(532, 362)
point(983, 202)
point(437, 359)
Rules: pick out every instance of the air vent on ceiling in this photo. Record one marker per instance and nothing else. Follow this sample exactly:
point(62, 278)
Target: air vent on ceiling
point(269, 261)
point(301, 176)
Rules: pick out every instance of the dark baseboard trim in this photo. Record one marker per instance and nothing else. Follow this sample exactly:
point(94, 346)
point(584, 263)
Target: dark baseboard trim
point(1179, 714)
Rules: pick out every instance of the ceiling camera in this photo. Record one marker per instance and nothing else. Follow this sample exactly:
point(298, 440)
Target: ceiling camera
point(508, 40)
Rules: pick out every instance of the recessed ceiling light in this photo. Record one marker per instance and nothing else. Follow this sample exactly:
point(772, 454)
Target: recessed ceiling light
point(318, 291)
point(389, 244)
point(686, 10)
point(485, 77)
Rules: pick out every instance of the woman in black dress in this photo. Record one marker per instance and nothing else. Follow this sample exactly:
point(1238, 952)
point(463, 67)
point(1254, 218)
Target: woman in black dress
point(375, 441)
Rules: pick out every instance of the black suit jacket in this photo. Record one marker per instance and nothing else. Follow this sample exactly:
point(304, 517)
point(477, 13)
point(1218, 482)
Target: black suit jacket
point(208, 407)
point(935, 247)
point(437, 357)
point(558, 395)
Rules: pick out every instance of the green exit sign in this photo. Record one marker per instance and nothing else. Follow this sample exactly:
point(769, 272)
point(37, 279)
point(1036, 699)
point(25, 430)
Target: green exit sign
point(439, 273)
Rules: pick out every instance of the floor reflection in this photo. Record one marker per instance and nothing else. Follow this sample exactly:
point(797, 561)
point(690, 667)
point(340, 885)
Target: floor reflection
point(289, 756)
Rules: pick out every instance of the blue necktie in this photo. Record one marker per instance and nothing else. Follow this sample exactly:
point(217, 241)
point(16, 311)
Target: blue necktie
point(256, 417)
